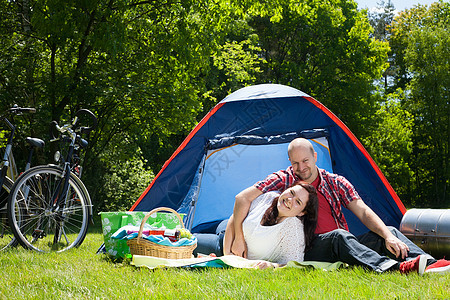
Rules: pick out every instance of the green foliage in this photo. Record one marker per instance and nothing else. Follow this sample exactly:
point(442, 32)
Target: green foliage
point(124, 183)
point(150, 70)
point(381, 20)
point(323, 49)
point(137, 66)
point(234, 65)
point(390, 143)
point(420, 16)
point(428, 56)
point(238, 60)
point(420, 39)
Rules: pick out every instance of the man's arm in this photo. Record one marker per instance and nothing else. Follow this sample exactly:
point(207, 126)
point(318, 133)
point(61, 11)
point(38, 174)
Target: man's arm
point(369, 218)
point(242, 204)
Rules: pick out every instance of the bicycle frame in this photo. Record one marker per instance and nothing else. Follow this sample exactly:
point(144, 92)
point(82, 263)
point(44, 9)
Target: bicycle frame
point(8, 167)
point(58, 199)
point(8, 164)
point(61, 195)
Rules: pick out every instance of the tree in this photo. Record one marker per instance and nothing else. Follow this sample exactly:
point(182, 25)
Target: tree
point(151, 69)
point(428, 56)
point(421, 36)
point(380, 20)
point(400, 30)
point(138, 65)
point(234, 65)
point(390, 143)
point(323, 49)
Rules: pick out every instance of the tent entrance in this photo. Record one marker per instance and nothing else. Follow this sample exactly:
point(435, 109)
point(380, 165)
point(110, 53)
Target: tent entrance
point(229, 166)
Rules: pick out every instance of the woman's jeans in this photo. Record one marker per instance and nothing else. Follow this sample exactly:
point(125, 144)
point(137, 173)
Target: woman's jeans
point(367, 250)
point(208, 243)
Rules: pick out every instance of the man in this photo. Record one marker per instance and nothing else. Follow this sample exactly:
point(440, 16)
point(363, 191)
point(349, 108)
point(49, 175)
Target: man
point(383, 248)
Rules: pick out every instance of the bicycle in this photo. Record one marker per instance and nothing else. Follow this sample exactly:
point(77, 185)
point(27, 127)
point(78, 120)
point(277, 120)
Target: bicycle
point(9, 171)
point(49, 207)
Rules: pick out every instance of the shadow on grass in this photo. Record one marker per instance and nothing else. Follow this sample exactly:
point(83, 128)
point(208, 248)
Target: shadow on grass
point(95, 226)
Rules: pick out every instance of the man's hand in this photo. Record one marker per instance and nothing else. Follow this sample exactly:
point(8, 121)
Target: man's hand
point(396, 247)
point(375, 224)
point(239, 247)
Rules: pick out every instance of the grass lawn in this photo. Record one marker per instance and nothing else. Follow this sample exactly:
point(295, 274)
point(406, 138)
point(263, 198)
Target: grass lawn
point(81, 274)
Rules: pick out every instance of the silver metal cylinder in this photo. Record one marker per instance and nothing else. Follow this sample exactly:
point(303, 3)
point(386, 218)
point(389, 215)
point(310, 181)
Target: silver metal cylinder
point(429, 229)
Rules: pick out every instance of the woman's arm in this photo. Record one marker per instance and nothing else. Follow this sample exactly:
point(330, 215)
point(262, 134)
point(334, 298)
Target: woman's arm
point(241, 208)
point(228, 237)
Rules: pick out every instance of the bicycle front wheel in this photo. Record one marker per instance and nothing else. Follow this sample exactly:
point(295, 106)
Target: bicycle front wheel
point(36, 222)
point(6, 235)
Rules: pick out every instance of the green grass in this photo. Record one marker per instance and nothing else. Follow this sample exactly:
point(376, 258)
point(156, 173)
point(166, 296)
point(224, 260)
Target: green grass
point(82, 274)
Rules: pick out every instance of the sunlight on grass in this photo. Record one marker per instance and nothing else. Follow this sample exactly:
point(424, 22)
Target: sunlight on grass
point(82, 274)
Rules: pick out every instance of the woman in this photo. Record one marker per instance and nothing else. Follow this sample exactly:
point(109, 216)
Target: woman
point(277, 228)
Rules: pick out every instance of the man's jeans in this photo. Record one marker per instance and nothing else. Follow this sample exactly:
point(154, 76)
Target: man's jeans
point(367, 250)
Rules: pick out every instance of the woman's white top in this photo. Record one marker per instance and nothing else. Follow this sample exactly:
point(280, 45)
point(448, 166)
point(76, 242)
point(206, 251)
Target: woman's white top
point(279, 243)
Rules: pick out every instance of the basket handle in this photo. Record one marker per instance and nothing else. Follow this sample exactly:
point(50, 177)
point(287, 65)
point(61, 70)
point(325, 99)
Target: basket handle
point(154, 211)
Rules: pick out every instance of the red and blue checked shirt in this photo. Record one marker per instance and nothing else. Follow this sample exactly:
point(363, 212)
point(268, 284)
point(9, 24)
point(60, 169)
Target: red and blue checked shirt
point(336, 189)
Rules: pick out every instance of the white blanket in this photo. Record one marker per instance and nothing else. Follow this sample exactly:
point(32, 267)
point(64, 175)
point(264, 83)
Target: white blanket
point(223, 261)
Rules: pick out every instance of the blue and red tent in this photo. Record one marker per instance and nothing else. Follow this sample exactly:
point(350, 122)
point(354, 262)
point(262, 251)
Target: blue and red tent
point(243, 139)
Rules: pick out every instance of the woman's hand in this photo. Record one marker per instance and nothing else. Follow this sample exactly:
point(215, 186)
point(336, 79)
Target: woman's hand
point(239, 247)
point(234, 244)
point(266, 265)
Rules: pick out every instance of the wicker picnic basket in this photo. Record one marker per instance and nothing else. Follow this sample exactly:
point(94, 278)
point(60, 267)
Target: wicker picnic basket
point(141, 246)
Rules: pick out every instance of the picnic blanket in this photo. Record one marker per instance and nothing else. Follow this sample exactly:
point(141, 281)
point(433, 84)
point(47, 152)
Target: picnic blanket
point(226, 261)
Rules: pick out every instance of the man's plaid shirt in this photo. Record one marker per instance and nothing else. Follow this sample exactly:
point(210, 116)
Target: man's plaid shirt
point(336, 189)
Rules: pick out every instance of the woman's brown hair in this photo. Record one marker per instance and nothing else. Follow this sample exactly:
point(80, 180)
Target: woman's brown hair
point(309, 218)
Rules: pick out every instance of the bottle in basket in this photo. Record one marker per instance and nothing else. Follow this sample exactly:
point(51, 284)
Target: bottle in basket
point(172, 234)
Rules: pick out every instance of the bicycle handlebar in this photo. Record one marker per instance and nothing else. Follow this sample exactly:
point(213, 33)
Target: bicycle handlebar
point(20, 110)
point(54, 131)
point(92, 117)
point(72, 128)
point(26, 110)
point(16, 110)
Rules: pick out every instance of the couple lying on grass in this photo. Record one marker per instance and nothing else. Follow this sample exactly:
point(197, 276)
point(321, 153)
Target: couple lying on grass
point(306, 222)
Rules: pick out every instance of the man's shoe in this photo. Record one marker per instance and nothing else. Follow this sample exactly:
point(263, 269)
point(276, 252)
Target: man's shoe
point(417, 264)
point(442, 266)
